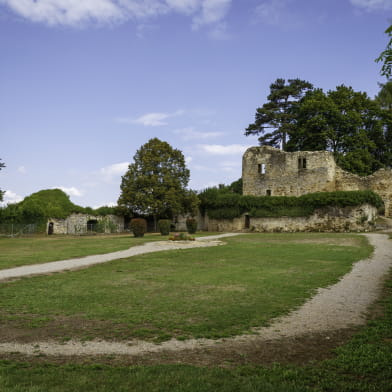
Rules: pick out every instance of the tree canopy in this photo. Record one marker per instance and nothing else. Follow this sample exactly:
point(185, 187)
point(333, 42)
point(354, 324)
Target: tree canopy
point(155, 183)
point(277, 113)
point(384, 97)
point(386, 56)
point(348, 123)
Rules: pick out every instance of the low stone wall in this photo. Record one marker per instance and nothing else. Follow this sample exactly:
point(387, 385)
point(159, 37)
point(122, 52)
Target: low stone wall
point(331, 219)
point(77, 224)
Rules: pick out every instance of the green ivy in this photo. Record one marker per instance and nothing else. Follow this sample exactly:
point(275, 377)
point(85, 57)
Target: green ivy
point(228, 205)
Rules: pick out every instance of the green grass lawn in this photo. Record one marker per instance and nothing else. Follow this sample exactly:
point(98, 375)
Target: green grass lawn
point(41, 249)
point(266, 261)
point(361, 365)
point(207, 292)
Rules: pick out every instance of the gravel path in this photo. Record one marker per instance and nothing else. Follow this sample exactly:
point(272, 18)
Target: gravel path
point(83, 262)
point(341, 305)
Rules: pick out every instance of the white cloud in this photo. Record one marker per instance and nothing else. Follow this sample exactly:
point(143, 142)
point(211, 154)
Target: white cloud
point(22, 170)
point(10, 197)
point(66, 12)
point(271, 11)
point(218, 149)
point(109, 204)
point(373, 5)
point(212, 11)
point(151, 119)
point(114, 170)
point(187, 7)
point(78, 12)
point(190, 134)
point(72, 191)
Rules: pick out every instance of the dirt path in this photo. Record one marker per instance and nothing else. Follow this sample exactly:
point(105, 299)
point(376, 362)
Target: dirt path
point(337, 307)
point(83, 262)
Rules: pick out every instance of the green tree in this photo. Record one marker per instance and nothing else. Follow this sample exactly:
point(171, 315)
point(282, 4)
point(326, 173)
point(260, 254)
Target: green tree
point(386, 56)
point(1, 192)
point(155, 183)
point(343, 121)
point(277, 114)
point(384, 97)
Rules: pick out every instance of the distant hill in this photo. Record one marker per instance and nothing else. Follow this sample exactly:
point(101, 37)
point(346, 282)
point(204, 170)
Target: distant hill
point(47, 203)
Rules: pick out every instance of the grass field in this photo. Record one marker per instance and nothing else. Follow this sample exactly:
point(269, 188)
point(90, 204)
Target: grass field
point(41, 249)
point(208, 292)
point(252, 268)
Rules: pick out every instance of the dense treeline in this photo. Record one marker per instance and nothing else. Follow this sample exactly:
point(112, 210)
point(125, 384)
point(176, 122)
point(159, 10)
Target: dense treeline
point(223, 204)
point(50, 203)
point(356, 128)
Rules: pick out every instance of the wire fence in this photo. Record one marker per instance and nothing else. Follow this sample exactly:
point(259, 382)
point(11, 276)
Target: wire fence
point(17, 229)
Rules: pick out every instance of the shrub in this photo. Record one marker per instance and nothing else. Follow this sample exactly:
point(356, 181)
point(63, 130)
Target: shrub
point(191, 225)
point(181, 237)
point(138, 227)
point(164, 226)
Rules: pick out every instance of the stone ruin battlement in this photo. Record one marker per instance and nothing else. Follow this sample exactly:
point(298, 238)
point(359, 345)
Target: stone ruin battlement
point(267, 171)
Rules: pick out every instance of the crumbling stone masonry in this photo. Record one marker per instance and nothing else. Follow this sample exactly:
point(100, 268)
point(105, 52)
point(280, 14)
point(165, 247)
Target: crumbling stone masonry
point(78, 224)
point(267, 171)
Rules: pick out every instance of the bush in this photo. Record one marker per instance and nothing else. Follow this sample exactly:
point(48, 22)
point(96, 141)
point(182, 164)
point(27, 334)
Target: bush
point(191, 225)
point(181, 237)
point(164, 226)
point(138, 227)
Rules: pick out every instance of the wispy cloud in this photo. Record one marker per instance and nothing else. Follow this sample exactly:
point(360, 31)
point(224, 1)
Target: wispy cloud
point(155, 119)
point(71, 191)
point(10, 198)
point(114, 171)
point(272, 11)
point(79, 12)
point(212, 11)
point(67, 12)
point(190, 134)
point(373, 5)
point(218, 149)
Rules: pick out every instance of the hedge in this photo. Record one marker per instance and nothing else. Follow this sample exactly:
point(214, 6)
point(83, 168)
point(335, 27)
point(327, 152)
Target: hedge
point(229, 206)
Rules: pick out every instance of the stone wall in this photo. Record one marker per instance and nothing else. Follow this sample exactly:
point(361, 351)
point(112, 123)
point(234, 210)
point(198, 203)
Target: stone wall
point(331, 219)
point(270, 171)
point(78, 224)
point(180, 222)
point(380, 182)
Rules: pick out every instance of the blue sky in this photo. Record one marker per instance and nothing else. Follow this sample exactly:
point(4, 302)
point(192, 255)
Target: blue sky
point(84, 83)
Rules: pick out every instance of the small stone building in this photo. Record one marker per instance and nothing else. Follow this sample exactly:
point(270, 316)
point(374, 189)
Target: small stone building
point(267, 171)
point(78, 224)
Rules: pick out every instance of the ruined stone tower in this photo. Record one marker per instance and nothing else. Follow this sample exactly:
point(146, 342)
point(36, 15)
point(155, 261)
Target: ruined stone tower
point(267, 171)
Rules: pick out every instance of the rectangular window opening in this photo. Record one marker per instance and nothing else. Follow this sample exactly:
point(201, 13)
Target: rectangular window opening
point(268, 192)
point(261, 168)
point(301, 163)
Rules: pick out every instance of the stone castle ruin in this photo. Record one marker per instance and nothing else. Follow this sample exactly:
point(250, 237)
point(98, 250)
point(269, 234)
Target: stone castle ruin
point(267, 171)
point(79, 224)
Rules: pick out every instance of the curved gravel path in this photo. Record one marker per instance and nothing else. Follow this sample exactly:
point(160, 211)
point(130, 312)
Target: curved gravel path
point(339, 306)
point(83, 262)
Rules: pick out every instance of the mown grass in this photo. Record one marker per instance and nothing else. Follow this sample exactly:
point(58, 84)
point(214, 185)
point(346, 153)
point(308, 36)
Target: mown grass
point(41, 249)
point(206, 292)
point(361, 365)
